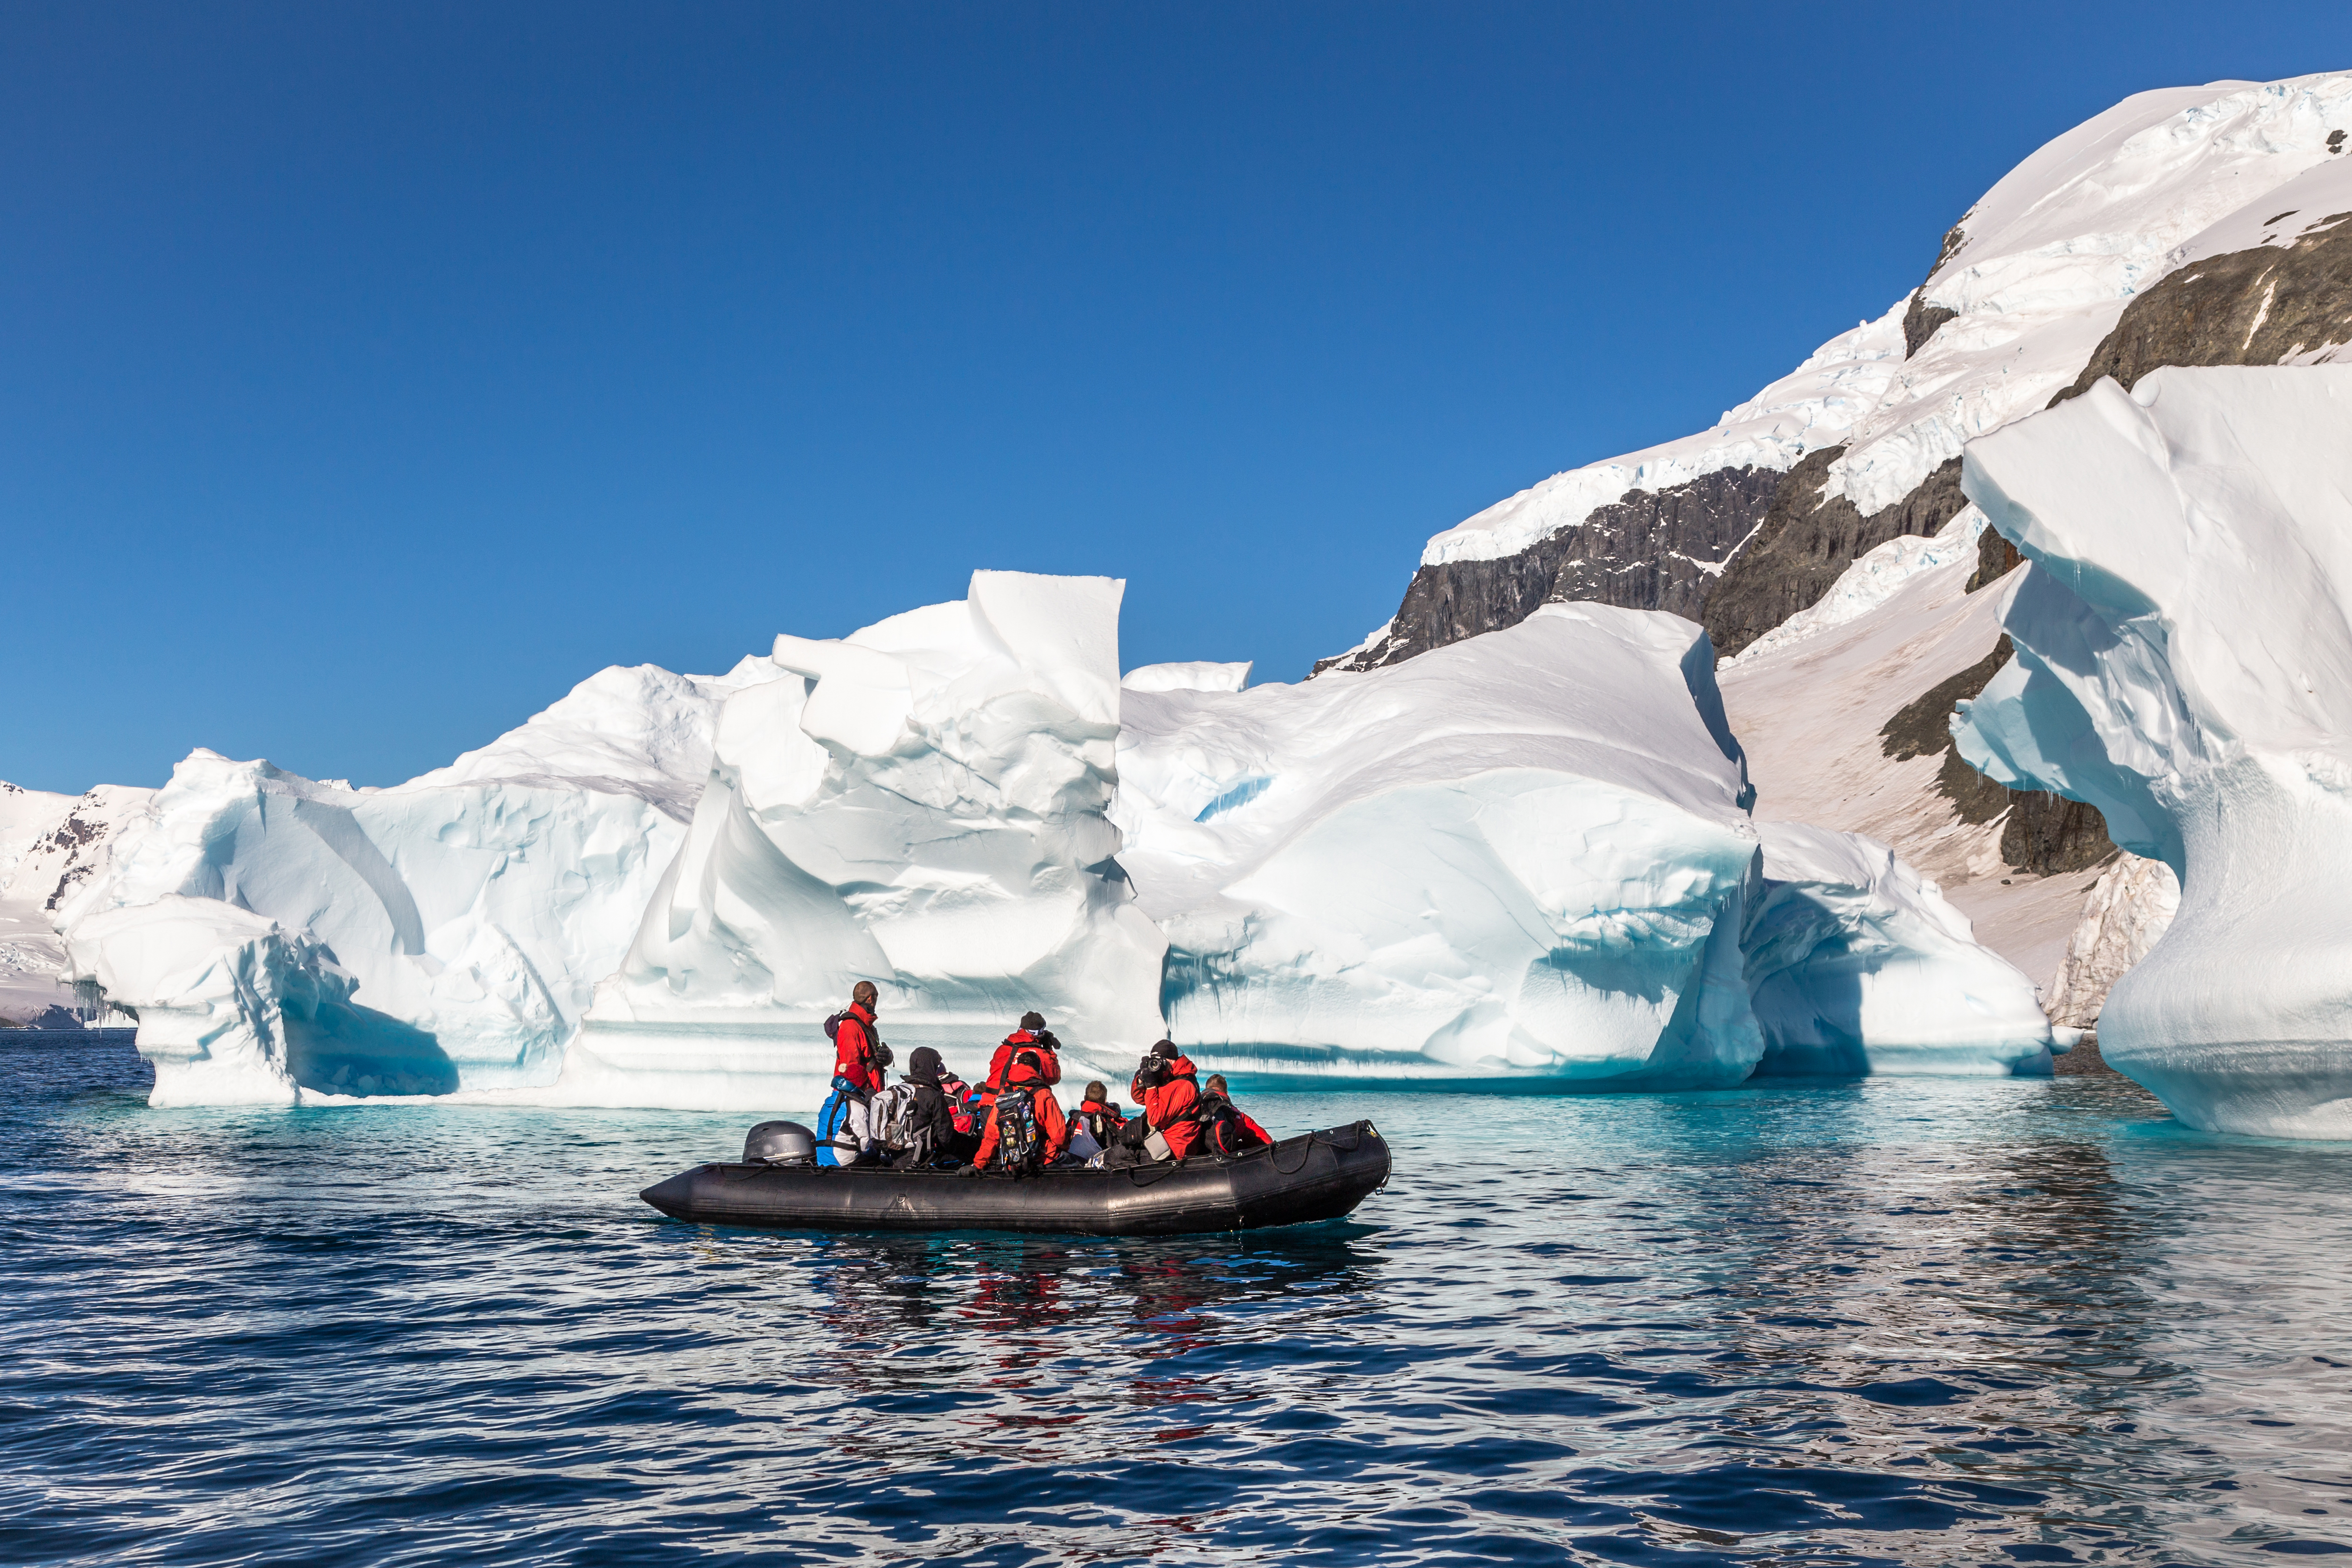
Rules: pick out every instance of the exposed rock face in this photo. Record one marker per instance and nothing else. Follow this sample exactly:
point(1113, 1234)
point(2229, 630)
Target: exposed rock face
point(2130, 905)
point(1805, 541)
point(1921, 319)
point(1920, 322)
point(1923, 727)
point(1649, 550)
point(2045, 834)
point(2262, 306)
point(2049, 835)
point(1996, 557)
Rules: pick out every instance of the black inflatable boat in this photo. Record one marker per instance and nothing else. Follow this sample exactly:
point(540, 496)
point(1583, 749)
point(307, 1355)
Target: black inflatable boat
point(1315, 1176)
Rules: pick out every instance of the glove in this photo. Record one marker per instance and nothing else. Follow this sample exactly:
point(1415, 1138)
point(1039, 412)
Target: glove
point(967, 1170)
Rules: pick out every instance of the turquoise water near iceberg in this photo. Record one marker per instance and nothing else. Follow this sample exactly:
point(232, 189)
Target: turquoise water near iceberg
point(1958, 1321)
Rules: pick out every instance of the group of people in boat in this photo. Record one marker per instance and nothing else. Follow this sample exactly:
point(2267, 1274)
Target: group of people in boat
point(1012, 1121)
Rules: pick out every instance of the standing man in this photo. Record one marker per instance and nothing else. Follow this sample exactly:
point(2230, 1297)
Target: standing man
point(857, 1048)
point(845, 1124)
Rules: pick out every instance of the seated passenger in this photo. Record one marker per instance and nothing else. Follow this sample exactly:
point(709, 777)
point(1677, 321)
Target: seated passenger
point(1100, 1115)
point(913, 1123)
point(1165, 1128)
point(1227, 1128)
point(968, 1111)
point(1039, 1039)
point(845, 1126)
point(1026, 1130)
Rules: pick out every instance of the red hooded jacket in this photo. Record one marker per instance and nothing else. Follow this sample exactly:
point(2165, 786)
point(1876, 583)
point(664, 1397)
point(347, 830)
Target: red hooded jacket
point(1052, 1125)
point(852, 1049)
point(1169, 1107)
point(1003, 1058)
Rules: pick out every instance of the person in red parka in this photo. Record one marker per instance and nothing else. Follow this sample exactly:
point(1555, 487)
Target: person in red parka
point(1024, 1074)
point(855, 1059)
point(1033, 1035)
point(1165, 1086)
point(1215, 1099)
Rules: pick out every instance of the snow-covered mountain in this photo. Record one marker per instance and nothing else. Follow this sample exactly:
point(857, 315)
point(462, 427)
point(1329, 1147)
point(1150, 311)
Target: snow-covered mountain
point(49, 844)
point(1819, 530)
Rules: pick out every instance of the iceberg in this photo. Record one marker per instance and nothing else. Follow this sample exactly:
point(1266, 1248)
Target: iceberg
point(1529, 857)
point(1523, 856)
point(1857, 965)
point(441, 935)
point(922, 803)
point(2184, 663)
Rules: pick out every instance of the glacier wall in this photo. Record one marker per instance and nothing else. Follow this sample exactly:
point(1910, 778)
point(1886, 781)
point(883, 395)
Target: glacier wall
point(921, 803)
point(2184, 663)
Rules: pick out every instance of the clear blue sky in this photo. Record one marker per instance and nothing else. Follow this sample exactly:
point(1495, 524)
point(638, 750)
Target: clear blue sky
point(373, 372)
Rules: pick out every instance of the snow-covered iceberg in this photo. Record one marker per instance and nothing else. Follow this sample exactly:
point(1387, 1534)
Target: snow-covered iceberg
point(1524, 855)
point(922, 804)
point(2184, 663)
point(464, 917)
point(1856, 964)
point(1529, 855)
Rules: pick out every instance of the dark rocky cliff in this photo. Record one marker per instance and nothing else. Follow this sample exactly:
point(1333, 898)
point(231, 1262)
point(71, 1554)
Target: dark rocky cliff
point(1649, 550)
point(2249, 307)
point(1806, 541)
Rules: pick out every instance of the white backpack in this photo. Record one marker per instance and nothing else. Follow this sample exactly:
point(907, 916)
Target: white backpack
point(894, 1118)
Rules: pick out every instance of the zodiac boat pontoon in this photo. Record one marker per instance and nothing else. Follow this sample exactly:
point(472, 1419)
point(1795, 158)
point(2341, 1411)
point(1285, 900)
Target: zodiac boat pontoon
point(1315, 1176)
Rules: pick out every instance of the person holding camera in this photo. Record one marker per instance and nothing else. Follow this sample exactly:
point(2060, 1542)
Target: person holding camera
point(1165, 1128)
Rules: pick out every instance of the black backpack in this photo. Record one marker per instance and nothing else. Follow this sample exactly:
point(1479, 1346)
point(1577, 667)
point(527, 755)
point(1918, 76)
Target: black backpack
point(1223, 1130)
point(1019, 1144)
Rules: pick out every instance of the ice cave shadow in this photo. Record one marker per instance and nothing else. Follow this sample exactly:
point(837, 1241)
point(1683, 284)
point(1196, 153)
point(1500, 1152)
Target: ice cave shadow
point(1813, 1030)
point(345, 1048)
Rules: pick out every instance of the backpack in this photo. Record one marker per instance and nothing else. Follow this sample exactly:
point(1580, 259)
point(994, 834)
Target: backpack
point(1018, 1142)
point(894, 1119)
point(1223, 1130)
point(840, 1126)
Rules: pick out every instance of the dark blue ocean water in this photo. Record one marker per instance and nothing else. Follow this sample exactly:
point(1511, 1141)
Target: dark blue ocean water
point(1917, 1322)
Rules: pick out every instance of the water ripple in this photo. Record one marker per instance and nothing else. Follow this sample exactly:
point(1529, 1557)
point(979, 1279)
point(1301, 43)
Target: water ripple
point(1924, 1322)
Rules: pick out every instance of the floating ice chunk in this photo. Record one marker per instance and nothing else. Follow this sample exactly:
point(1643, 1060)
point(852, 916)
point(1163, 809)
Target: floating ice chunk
point(922, 806)
point(2184, 663)
point(217, 990)
point(1858, 965)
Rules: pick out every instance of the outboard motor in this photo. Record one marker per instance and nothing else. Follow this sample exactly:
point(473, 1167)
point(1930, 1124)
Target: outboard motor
point(780, 1143)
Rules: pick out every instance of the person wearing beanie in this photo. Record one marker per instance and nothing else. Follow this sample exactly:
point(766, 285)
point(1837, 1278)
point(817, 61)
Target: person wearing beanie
point(1164, 1084)
point(1026, 1130)
point(1033, 1037)
point(1100, 1115)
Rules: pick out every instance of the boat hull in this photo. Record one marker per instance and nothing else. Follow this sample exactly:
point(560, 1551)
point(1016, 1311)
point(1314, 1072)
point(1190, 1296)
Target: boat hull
point(1315, 1176)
